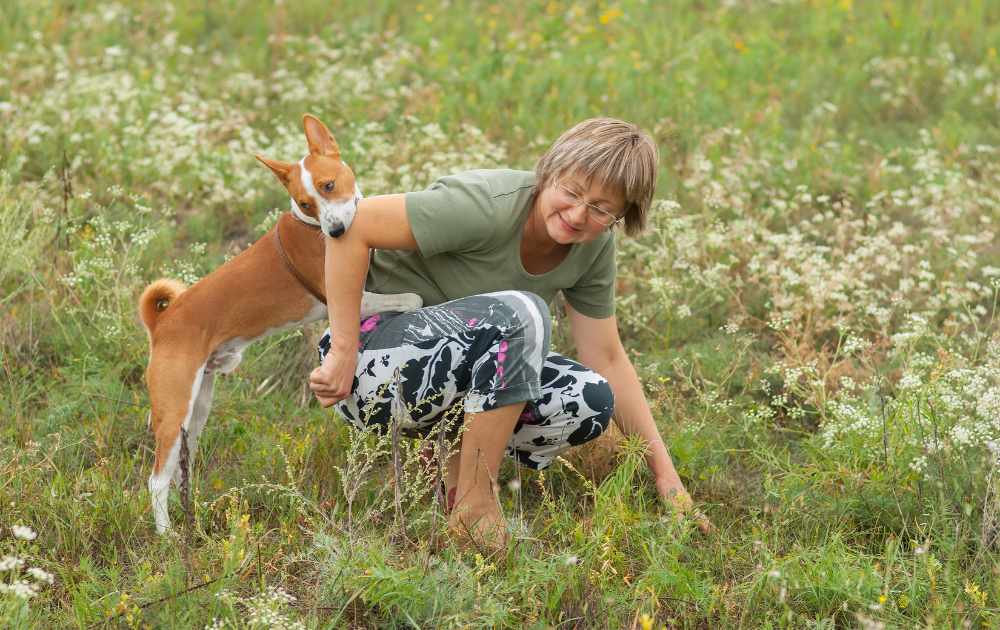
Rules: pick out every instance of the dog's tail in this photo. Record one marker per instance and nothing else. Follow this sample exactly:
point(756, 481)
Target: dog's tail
point(156, 298)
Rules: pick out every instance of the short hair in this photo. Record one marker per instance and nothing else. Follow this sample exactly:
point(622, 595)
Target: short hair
point(618, 153)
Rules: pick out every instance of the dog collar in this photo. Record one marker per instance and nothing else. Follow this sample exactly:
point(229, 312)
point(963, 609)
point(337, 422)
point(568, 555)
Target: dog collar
point(302, 216)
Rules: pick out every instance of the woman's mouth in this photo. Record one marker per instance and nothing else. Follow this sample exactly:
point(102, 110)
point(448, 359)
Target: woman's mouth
point(566, 224)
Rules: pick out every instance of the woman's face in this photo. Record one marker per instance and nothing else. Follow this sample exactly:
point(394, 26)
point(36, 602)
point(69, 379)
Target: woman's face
point(575, 212)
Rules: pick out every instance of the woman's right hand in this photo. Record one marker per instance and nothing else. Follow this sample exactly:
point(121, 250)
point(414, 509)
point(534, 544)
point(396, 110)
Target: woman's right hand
point(332, 381)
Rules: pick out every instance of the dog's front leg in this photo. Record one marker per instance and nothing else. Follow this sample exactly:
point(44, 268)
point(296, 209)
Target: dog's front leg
point(372, 303)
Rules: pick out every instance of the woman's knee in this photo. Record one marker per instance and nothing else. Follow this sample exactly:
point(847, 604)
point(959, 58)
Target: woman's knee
point(518, 319)
point(539, 304)
point(528, 309)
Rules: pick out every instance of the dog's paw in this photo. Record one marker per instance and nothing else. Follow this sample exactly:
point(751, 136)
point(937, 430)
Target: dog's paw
point(372, 303)
point(411, 301)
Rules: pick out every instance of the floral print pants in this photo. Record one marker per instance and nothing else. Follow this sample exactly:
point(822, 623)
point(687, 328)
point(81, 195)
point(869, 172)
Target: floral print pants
point(486, 351)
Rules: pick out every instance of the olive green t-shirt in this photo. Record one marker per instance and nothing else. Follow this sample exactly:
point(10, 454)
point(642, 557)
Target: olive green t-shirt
point(468, 231)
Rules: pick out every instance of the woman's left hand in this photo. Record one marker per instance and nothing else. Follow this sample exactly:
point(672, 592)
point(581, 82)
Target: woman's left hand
point(681, 502)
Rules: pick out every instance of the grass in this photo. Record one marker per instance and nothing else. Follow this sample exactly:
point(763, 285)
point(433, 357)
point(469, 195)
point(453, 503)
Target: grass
point(813, 312)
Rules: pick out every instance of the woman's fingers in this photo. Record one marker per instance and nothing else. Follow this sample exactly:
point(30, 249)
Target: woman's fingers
point(682, 504)
point(331, 382)
point(704, 525)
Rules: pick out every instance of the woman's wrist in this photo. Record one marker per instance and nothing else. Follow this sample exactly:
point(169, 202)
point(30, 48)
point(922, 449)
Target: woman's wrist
point(344, 341)
point(659, 461)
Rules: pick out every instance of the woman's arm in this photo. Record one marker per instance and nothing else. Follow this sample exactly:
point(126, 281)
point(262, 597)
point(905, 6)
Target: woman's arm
point(600, 349)
point(381, 223)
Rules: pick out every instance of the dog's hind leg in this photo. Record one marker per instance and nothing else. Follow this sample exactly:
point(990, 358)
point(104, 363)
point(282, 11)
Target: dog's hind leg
point(174, 386)
point(201, 409)
point(199, 416)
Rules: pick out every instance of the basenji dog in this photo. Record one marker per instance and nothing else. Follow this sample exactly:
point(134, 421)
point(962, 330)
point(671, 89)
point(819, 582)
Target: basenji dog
point(197, 332)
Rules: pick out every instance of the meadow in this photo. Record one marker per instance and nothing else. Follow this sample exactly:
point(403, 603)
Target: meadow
point(813, 312)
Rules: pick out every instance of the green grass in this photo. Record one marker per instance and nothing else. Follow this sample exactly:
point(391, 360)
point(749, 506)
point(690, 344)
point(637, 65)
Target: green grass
point(812, 314)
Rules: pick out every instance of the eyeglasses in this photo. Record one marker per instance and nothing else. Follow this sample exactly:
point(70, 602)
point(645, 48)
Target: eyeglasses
point(599, 215)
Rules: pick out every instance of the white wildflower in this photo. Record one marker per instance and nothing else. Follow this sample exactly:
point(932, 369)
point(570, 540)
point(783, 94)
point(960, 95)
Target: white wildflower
point(41, 575)
point(22, 589)
point(23, 532)
point(9, 563)
point(910, 381)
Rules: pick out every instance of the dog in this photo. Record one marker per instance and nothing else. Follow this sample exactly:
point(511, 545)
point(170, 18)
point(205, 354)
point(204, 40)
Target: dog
point(196, 332)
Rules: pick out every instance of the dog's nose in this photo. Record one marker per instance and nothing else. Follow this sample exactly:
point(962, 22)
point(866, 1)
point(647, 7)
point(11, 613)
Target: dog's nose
point(336, 231)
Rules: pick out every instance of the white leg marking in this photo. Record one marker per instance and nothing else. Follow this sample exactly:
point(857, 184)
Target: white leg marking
point(159, 488)
point(159, 485)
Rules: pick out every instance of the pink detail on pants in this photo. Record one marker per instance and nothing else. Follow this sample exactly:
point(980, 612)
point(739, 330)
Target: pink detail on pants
point(472, 322)
point(369, 324)
point(501, 357)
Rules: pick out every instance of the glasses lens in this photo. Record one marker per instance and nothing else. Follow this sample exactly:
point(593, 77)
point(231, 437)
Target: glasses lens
point(569, 195)
point(600, 216)
point(597, 215)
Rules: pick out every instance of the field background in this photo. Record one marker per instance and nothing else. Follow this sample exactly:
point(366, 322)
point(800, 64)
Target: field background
point(813, 312)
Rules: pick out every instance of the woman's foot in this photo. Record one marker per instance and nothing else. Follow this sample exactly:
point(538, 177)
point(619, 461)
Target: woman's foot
point(483, 529)
point(476, 519)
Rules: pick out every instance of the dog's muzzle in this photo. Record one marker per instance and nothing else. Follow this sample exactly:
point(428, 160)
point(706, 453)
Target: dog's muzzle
point(336, 230)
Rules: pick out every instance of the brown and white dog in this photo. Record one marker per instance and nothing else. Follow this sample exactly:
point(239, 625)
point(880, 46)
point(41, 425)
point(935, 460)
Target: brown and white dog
point(198, 331)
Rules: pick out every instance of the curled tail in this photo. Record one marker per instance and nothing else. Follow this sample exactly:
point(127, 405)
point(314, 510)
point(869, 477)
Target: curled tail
point(156, 298)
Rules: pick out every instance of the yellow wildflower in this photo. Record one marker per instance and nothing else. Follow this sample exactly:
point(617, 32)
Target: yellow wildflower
point(611, 15)
point(977, 596)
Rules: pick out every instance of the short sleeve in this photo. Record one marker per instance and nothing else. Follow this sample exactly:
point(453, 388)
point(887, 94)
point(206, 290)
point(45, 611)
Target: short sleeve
point(455, 214)
point(594, 293)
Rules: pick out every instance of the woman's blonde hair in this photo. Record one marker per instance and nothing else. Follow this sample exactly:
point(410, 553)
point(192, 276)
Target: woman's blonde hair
point(618, 154)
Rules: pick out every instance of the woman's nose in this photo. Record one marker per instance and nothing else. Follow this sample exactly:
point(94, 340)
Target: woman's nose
point(578, 214)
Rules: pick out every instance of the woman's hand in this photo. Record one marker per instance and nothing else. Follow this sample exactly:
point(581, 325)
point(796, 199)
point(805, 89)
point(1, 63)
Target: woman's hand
point(332, 381)
point(681, 502)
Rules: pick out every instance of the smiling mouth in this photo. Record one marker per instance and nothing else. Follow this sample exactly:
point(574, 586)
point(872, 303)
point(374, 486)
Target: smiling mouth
point(566, 224)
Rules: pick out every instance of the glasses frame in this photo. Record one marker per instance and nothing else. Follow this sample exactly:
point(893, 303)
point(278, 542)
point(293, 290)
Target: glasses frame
point(597, 213)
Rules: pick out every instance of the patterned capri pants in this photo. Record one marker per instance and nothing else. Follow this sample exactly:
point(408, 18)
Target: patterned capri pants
point(488, 351)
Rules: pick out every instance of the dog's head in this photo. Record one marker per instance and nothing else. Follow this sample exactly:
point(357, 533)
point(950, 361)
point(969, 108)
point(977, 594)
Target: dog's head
point(321, 185)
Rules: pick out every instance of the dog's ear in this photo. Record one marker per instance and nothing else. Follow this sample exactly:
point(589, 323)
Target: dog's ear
point(280, 169)
point(320, 139)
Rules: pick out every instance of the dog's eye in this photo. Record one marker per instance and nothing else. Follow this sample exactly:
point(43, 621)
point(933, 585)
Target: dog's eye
point(328, 187)
point(304, 205)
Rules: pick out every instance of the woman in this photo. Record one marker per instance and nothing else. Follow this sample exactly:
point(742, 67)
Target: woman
point(487, 250)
